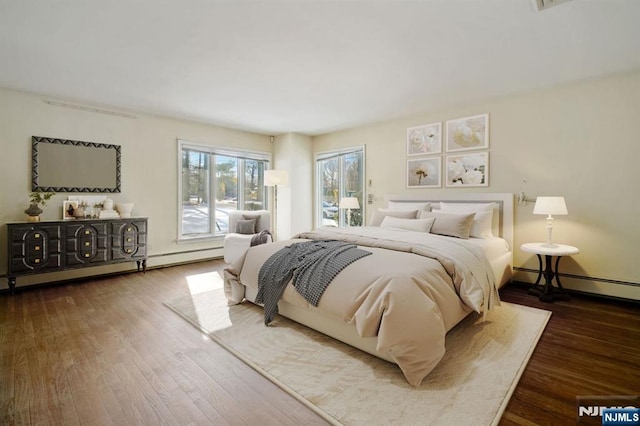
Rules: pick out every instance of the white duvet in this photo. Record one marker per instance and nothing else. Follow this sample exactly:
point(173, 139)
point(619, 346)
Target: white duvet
point(409, 292)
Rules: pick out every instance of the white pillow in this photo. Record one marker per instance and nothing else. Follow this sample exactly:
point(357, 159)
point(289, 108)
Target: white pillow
point(399, 205)
point(450, 223)
point(483, 220)
point(482, 224)
point(467, 207)
point(378, 216)
point(420, 225)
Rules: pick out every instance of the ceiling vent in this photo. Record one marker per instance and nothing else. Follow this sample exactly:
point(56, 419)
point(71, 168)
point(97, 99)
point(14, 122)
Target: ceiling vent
point(540, 5)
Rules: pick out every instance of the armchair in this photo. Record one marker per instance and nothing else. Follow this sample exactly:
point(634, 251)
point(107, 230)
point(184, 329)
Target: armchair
point(243, 226)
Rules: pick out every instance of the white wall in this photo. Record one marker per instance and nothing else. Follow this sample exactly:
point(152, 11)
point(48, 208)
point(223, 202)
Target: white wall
point(293, 152)
point(580, 141)
point(149, 169)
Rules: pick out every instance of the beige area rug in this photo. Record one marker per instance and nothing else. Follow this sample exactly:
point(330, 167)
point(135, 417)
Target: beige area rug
point(471, 385)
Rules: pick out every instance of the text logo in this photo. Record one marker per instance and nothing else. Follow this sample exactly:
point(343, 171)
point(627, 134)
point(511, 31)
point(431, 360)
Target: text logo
point(621, 417)
point(609, 410)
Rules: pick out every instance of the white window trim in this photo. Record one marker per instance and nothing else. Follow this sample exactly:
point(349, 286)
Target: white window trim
point(211, 149)
point(324, 155)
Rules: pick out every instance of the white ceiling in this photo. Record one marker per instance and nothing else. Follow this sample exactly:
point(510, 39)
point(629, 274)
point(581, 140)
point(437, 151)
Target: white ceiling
point(308, 66)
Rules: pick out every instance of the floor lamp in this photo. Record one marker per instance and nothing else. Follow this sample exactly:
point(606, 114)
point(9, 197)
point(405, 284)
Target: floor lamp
point(275, 178)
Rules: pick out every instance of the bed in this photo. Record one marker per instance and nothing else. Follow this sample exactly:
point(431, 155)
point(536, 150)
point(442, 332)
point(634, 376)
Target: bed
point(416, 284)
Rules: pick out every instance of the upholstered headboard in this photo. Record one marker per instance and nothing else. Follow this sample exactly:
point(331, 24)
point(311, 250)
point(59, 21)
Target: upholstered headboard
point(503, 206)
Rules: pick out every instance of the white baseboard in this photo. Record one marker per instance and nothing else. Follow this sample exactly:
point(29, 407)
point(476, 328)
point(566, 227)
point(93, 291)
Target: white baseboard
point(603, 287)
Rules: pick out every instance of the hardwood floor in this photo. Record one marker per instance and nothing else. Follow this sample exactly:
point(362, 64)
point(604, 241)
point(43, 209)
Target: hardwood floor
point(107, 351)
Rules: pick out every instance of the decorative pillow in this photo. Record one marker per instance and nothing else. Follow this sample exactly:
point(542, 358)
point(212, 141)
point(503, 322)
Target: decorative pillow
point(378, 216)
point(483, 220)
point(420, 225)
point(399, 205)
point(261, 220)
point(482, 223)
point(450, 224)
point(246, 226)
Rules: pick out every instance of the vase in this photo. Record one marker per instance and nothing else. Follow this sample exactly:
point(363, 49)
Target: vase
point(107, 204)
point(33, 212)
point(124, 209)
point(78, 213)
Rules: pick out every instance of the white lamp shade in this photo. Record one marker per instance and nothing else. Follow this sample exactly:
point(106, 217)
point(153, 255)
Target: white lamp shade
point(349, 203)
point(550, 205)
point(276, 177)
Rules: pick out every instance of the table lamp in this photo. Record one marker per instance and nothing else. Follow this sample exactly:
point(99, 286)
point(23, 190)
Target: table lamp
point(550, 206)
point(349, 203)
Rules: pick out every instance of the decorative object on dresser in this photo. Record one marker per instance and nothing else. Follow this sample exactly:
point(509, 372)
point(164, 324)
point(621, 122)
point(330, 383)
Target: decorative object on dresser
point(53, 246)
point(107, 211)
point(124, 209)
point(37, 199)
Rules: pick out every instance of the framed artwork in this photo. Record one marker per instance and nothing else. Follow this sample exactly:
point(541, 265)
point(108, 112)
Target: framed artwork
point(424, 140)
point(468, 133)
point(68, 207)
point(471, 169)
point(424, 172)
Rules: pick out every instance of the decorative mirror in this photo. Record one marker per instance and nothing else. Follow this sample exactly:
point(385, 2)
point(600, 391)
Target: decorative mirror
point(61, 165)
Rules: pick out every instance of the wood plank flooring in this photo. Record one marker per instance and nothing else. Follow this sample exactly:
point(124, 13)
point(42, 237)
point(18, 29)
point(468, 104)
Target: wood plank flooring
point(107, 351)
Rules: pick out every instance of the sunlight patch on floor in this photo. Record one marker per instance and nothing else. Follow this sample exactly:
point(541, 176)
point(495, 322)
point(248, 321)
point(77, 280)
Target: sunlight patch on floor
point(201, 283)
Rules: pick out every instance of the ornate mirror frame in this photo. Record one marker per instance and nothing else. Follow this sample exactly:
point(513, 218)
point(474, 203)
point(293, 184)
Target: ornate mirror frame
point(63, 165)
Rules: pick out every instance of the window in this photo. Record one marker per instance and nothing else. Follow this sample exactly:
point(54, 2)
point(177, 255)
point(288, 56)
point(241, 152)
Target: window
point(215, 181)
point(339, 174)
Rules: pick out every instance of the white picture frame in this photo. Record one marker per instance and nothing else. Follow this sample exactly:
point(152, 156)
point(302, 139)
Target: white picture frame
point(424, 140)
point(467, 170)
point(468, 133)
point(424, 172)
point(68, 206)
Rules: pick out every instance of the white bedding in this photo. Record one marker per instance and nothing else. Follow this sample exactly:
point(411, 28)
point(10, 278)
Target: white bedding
point(383, 296)
point(493, 247)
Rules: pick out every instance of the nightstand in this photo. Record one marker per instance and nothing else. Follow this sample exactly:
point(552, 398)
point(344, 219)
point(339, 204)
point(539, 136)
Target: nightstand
point(549, 293)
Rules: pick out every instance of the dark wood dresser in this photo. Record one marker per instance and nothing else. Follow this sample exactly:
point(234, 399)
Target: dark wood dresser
point(52, 246)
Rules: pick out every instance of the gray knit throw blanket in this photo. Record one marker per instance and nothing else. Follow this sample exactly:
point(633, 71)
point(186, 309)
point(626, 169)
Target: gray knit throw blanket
point(310, 264)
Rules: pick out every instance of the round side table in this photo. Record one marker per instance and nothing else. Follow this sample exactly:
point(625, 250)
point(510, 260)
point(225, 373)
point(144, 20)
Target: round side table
point(549, 293)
